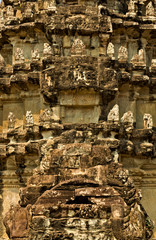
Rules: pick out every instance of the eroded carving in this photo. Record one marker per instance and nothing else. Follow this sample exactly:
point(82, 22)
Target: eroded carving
point(9, 11)
point(114, 114)
point(127, 117)
point(47, 49)
point(78, 48)
point(19, 56)
point(150, 9)
point(29, 118)
point(148, 122)
point(139, 58)
point(45, 116)
point(35, 55)
point(52, 5)
point(11, 120)
point(110, 50)
point(123, 54)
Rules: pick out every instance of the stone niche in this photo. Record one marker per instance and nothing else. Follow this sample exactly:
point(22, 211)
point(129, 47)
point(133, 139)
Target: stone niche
point(79, 106)
point(33, 105)
point(143, 107)
point(17, 109)
point(7, 52)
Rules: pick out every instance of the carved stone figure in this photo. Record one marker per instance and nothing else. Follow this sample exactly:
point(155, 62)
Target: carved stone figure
point(9, 11)
point(148, 121)
point(78, 47)
point(127, 120)
point(123, 54)
point(35, 55)
point(131, 8)
point(47, 49)
point(150, 9)
point(79, 75)
point(28, 10)
point(29, 118)
point(52, 5)
point(127, 117)
point(153, 65)
point(19, 56)
point(11, 120)
point(114, 114)
point(45, 116)
point(139, 58)
point(141, 55)
point(110, 50)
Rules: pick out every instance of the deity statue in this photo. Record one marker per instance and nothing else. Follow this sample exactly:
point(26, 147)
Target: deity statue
point(148, 121)
point(19, 56)
point(11, 120)
point(114, 114)
point(123, 54)
point(110, 50)
point(29, 118)
point(78, 47)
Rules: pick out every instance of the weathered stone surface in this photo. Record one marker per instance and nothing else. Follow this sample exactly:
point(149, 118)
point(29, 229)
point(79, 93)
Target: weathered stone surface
point(77, 99)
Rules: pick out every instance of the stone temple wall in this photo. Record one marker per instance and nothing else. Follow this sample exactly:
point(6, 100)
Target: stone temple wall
point(77, 119)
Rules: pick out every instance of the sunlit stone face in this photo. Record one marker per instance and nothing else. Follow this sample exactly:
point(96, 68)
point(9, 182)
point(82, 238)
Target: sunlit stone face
point(77, 99)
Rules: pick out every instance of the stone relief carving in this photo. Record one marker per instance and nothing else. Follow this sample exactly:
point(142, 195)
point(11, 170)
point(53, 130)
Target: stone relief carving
point(127, 120)
point(79, 75)
point(47, 49)
point(110, 50)
point(123, 54)
point(11, 120)
point(114, 114)
point(148, 121)
point(139, 58)
point(153, 65)
point(141, 55)
point(35, 55)
point(131, 8)
point(28, 10)
point(127, 117)
point(29, 118)
point(78, 48)
point(52, 5)
point(150, 11)
point(9, 11)
point(19, 56)
point(45, 116)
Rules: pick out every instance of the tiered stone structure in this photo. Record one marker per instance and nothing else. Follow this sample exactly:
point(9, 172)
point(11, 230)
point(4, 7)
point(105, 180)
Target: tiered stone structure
point(77, 108)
